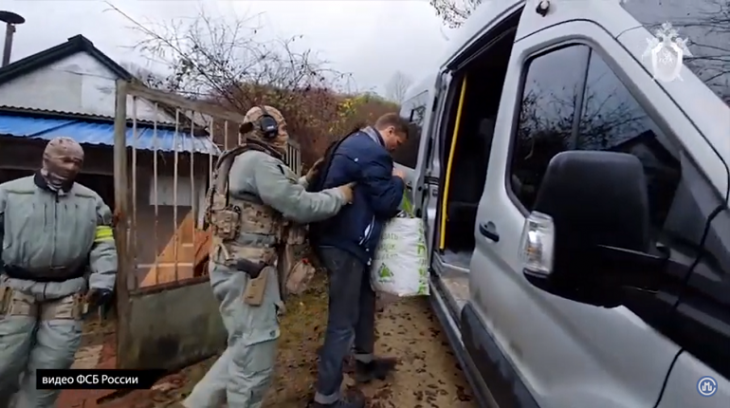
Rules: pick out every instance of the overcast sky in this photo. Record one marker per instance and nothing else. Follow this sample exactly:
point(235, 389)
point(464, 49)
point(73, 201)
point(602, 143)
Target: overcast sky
point(368, 38)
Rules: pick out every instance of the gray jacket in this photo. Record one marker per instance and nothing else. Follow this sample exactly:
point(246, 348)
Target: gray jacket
point(270, 180)
point(47, 233)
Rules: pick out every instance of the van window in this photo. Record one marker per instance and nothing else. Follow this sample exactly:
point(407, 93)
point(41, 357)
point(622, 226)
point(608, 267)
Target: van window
point(613, 120)
point(414, 110)
point(550, 94)
point(610, 119)
point(704, 24)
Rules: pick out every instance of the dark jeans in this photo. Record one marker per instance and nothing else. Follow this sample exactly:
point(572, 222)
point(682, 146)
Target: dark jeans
point(351, 314)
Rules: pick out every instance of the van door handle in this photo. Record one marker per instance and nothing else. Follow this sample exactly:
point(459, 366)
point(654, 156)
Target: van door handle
point(489, 230)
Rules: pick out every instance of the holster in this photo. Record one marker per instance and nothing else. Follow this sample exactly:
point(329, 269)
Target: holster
point(255, 289)
point(252, 269)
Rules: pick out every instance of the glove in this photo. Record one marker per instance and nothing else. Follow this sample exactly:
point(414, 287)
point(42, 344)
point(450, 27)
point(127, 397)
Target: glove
point(346, 191)
point(98, 297)
point(314, 170)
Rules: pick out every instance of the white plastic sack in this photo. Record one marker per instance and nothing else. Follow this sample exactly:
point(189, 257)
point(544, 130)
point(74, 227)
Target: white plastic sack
point(400, 265)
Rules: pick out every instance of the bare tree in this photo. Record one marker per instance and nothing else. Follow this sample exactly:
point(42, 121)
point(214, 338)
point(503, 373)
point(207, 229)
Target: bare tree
point(708, 34)
point(213, 57)
point(147, 76)
point(396, 88)
point(454, 12)
point(224, 61)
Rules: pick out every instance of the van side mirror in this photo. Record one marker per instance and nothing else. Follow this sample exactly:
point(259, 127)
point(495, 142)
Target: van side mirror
point(591, 218)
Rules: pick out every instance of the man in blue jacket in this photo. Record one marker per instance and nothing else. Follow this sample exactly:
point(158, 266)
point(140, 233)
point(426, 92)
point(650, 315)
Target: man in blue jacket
point(345, 245)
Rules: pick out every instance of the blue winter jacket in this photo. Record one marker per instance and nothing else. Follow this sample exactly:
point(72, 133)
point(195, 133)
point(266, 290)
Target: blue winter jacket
point(361, 158)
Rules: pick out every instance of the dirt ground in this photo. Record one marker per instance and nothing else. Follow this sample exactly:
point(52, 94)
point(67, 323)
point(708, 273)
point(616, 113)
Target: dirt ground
point(427, 376)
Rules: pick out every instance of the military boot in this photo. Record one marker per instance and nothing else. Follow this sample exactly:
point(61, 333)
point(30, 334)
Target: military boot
point(377, 369)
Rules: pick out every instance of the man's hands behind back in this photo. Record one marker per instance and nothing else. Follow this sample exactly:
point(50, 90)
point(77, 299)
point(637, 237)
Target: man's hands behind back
point(346, 190)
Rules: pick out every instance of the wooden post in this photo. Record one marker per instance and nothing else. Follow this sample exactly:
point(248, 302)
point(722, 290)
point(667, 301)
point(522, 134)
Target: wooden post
point(121, 211)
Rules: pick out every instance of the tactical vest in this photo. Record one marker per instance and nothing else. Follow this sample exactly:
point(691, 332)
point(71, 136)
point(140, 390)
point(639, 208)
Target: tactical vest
point(278, 241)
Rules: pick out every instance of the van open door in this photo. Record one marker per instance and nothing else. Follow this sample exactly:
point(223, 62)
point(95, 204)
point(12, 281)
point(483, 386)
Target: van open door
point(428, 169)
point(419, 105)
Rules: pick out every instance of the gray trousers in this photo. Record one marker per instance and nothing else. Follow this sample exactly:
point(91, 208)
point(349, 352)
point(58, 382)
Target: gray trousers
point(242, 374)
point(27, 344)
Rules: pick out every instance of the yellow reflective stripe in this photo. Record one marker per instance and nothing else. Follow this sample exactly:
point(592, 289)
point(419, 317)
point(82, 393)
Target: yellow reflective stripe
point(104, 233)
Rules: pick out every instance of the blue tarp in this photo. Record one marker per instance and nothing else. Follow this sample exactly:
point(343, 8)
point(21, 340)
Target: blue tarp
point(95, 133)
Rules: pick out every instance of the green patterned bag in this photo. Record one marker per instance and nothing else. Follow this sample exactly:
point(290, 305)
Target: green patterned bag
point(400, 264)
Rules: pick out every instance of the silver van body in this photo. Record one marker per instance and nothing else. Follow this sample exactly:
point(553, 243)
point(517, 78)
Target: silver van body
point(521, 346)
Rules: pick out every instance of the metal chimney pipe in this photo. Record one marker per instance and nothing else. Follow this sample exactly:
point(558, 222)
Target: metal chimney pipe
point(11, 20)
point(9, 30)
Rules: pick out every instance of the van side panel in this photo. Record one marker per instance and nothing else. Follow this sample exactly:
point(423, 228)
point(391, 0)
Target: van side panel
point(568, 354)
point(505, 384)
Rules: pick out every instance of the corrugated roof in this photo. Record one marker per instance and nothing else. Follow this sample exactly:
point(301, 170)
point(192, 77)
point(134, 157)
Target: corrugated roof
point(52, 113)
point(96, 133)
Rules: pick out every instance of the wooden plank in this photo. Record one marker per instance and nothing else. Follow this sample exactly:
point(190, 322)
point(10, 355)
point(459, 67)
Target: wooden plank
point(191, 245)
point(183, 103)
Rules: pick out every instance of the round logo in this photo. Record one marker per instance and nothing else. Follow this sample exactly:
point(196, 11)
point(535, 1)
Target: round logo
point(707, 386)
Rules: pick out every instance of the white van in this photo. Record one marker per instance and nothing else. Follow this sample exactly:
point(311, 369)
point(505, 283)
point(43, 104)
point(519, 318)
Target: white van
point(577, 209)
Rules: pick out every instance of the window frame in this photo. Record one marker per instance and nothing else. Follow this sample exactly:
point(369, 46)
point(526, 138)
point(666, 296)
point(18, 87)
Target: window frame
point(645, 104)
point(407, 111)
point(416, 109)
point(412, 103)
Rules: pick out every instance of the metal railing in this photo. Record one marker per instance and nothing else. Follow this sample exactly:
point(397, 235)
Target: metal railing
point(162, 170)
point(167, 170)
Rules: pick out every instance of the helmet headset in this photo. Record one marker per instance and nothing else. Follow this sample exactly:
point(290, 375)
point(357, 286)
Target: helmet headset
point(268, 126)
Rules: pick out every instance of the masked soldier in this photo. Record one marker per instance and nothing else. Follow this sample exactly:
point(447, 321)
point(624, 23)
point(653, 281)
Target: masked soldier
point(58, 257)
point(257, 208)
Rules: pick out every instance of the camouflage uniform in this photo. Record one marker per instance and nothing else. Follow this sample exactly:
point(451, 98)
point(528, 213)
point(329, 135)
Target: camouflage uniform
point(52, 232)
point(251, 206)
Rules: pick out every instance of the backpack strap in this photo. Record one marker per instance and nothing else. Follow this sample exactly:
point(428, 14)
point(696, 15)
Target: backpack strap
point(318, 184)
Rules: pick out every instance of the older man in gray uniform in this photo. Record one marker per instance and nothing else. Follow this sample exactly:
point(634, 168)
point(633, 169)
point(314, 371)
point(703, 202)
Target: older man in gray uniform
point(252, 204)
point(58, 256)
